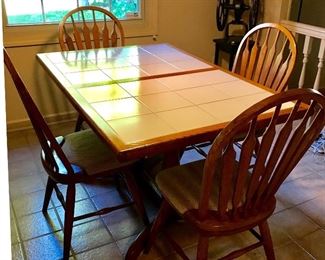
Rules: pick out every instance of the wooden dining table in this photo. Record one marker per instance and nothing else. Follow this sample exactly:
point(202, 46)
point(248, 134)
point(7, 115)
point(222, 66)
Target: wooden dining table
point(144, 100)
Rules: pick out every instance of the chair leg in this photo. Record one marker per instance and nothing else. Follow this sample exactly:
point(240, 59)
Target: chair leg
point(202, 248)
point(79, 123)
point(68, 220)
point(48, 193)
point(136, 195)
point(267, 240)
point(164, 213)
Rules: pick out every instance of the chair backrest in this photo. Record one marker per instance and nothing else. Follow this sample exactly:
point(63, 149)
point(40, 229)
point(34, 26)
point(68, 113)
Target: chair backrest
point(246, 191)
point(267, 55)
point(46, 138)
point(90, 27)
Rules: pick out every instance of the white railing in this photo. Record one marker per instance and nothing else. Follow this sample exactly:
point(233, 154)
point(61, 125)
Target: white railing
point(311, 34)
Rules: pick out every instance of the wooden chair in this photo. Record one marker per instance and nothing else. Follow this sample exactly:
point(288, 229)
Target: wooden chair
point(80, 29)
point(89, 27)
point(267, 55)
point(222, 196)
point(80, 157)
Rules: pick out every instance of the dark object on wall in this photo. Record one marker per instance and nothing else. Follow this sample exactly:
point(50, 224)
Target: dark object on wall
point(239, 7)
point(235, 29)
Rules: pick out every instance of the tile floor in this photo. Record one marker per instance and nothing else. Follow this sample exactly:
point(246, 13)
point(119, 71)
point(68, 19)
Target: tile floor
point(297, 226)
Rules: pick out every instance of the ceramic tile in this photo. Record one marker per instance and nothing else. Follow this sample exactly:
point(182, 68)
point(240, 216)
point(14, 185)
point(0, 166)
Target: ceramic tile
point(191, 64)
point(163, 101)
point(17, 252)
point(204, 94)
point(93, 77)
point(100, 187)
point(21, 169)
point(221, 246)
point(281, 204)
point(47, 247)
point(125, 73)
point(181, 121)
point(172, 56)
point(128, 51)
point(238, 88)
point(144, 59)
point(125, 243)
point(314, 243)
point(279, 236)
point(122, 108)
point(301, 170)
point(291, 251)
point(102, 54)
point(109, 251)
point(315, 209)
point(123, 223)
point(76, 66)
point(231, 108)
point(144, 127)
point(14, 232)
point(103, 93)
point(144, 87)
point(92, 235)
point(28, 204)
point(301, 189)
point(38, 224)
point(19, 154)
point(113, 63)
point(317, 163)
point(159, 68)
point(212, 77)
point(155, 49)
point(293, 222)
point(25, 185)
point(108, 199)
point(58, 57)
point(179, 82)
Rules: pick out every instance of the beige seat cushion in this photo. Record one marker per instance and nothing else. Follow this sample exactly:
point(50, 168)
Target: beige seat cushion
point(86, 150)
point(181, 186)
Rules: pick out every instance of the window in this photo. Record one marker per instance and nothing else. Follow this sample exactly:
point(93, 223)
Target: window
point(27, 34)
point(23, 12)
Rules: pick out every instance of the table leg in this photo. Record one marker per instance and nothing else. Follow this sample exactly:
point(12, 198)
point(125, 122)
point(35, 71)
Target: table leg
point(172, 159)
point(141, 242)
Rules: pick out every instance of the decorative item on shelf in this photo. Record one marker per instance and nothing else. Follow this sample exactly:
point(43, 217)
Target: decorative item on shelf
point(236, 28)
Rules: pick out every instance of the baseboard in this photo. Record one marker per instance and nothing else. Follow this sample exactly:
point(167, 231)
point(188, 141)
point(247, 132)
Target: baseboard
point(16, 125)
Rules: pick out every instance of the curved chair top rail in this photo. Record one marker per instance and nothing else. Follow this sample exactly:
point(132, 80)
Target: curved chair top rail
point(90, 27)
point(267, 55)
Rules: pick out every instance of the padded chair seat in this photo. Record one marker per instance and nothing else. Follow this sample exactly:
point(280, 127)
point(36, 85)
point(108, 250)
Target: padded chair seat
point(181, 186)
point(86, 150)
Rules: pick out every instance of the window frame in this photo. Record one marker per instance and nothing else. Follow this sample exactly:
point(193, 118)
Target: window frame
point(44, 34)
